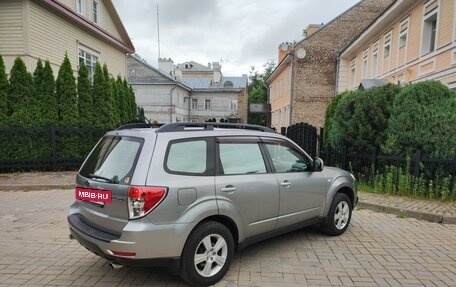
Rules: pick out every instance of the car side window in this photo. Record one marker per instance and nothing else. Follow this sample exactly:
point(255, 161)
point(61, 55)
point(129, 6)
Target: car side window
point(241, 158)
point(187, 157)
point(286, 159)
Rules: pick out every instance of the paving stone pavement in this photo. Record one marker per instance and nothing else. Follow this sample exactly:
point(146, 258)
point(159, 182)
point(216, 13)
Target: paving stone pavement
point(378, 249)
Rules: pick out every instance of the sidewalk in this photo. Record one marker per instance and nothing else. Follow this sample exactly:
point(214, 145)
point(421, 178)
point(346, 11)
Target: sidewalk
point(435, 211)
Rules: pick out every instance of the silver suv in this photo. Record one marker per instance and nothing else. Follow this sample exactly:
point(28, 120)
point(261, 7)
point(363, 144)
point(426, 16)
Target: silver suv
point(187, 195)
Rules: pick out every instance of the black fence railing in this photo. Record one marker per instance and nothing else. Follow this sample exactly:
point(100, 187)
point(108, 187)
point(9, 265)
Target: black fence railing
point(45, 149)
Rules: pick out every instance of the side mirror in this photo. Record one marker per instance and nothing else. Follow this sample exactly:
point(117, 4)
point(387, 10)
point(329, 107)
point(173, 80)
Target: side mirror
point(318, 164)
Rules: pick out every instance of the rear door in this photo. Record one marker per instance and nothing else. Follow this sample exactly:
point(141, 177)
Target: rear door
point(106, 176)
point(244, 188)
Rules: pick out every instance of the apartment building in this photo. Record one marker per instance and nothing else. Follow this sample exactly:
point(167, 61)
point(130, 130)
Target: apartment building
point(411, 41)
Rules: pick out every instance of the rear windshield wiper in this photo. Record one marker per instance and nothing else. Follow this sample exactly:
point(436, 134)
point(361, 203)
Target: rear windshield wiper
point(103, 178)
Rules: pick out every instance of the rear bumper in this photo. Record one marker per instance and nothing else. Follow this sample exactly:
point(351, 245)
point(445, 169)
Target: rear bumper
point(153, 246)
point(171, 263)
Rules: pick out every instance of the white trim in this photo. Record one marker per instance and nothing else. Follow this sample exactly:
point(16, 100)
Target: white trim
point(80, 7)
point(423, 20)
point(92, 12)
point(453, 57)
point(402, 33)
point(389, 44)
point(426, 63)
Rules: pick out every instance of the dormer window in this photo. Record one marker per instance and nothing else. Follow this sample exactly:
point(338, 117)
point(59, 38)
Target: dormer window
point(228, 84)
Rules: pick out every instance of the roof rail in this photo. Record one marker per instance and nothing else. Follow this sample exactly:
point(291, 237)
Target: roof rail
point(138, 126)
point(184, 126)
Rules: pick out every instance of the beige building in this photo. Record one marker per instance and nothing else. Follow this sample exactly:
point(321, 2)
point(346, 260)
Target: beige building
point(411, 41)
point(87, 30)
point(304, 81)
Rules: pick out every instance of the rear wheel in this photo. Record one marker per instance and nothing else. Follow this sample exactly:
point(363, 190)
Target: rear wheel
point(207, 254)
point(339, 215)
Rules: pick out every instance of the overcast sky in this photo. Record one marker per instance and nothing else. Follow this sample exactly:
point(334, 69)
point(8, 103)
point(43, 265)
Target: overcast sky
point(237, 33)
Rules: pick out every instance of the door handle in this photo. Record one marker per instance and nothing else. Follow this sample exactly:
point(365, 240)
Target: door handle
point(285, 183)
point(228, 188)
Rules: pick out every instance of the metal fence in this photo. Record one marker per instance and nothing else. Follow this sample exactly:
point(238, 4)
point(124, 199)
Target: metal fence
point(45, 149)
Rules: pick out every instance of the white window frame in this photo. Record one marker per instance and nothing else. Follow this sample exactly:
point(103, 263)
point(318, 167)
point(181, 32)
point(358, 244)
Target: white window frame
point(233, 105)
point(194, 104)
point(90, 58)
point(96, 11)
point(352, 75)
point(365, 67)
point(425, 39)
point(387, 44)
point(80, 5)
point(375, 64)
point(401, 45)
point(207, 104)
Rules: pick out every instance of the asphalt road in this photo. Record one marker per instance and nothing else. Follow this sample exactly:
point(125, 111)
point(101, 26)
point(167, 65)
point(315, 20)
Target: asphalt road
point(377, 250)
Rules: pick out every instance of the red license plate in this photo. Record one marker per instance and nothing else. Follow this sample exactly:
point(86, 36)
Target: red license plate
point(93, 195)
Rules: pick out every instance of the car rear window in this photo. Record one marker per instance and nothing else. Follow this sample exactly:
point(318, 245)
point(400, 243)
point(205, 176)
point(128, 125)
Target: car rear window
point(113, 159)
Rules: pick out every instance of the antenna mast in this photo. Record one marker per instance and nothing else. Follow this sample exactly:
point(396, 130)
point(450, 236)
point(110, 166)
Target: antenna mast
point(158, 29)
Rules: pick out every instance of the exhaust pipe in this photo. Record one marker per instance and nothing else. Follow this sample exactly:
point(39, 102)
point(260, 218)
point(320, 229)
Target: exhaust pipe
point(115, 265)
point(70, 236)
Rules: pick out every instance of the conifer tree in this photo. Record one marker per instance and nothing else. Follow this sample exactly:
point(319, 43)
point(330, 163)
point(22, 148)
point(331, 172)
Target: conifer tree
point(49, 106)
point(66, 95)
point(111, 96)
point(20, 98)
point(101, 99)
point(122, 101)
point(85, 101)
point(3, 92)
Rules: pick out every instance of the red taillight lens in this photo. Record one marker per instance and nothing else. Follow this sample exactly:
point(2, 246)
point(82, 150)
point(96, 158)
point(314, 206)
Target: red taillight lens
point(142, 199)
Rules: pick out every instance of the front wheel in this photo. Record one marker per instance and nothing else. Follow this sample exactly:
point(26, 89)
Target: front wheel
point(207, 254)
point(339, 215)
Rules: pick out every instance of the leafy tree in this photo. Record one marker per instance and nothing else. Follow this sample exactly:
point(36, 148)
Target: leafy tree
point(3, 92)
point(258, 90)
point(85, 100)
point(20, 95)
point(67, 98)
point(423, 117)
point(342, 134)
point(330, 135)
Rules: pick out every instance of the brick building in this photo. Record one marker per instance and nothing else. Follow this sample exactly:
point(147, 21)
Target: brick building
point(304, 82)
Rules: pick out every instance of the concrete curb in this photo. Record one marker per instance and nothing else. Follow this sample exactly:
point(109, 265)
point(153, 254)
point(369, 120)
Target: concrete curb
point(431, 217)
point(35, 187)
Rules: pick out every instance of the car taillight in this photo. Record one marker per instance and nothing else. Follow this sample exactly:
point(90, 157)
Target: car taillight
point(142, 199)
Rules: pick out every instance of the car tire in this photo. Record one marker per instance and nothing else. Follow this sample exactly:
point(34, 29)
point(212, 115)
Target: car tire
point(339, 215)
point(207, 254)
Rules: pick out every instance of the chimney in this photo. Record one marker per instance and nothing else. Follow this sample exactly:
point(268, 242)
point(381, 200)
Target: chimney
point(284, 49)
point(217, 72)
point(311, 29)
point(166, 66)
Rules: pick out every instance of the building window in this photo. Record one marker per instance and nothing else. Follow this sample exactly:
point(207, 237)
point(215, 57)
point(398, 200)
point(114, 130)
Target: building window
point(80, 6)
point(207, 104)
point(233, 105)
point(429, 33)
point(374, 64)
point(89, 59)
point(352, 73)
point(95, 11)
point(386, 50)
point(194, 104)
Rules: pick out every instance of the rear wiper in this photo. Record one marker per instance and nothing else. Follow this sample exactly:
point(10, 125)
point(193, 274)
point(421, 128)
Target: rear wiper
point(103, 178)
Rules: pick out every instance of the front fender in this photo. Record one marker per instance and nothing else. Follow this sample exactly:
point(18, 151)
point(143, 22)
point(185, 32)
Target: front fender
point(339, 183)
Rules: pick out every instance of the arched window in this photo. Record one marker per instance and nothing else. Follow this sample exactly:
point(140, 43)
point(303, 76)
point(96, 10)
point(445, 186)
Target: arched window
point(228, 84)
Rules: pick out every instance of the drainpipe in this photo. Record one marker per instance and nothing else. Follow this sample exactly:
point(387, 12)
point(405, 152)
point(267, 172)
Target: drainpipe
point(189, 104)
point(292, 88)
point(268, 98)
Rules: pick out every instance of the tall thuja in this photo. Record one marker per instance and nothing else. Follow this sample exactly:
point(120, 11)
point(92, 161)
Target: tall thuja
point(66, 95)
point(112, 97)
point(85, 100)
point(67, 99)
point(19, 101)
point(121, 100)
point(101, 100)
point(3, 92)
point(49, 106)
point(131, 103)
point(20, 95)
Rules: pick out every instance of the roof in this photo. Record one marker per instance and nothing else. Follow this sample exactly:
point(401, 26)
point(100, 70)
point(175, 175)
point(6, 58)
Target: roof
point(207, 83)
point(151, 75)
point(194, 67)
point(123, 44)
